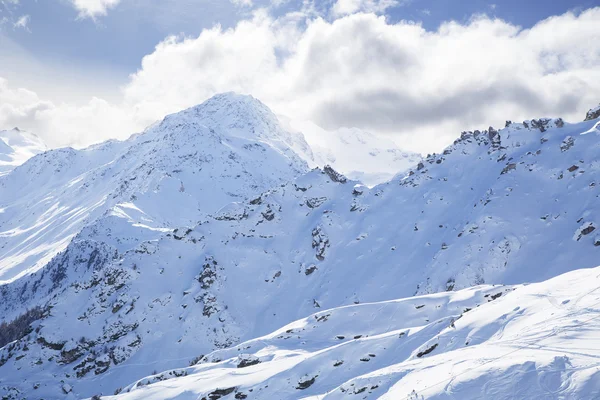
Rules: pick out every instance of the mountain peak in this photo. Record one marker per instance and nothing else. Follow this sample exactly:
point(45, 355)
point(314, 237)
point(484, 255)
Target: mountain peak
point(231, 114)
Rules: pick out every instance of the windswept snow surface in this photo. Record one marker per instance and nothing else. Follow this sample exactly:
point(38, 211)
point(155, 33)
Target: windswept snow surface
point(207, 231)
point(528, 342)
point(16, 147)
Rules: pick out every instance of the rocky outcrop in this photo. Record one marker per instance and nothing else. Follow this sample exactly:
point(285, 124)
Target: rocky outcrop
point(593, 113)
point(334, 175)
point(320, 243)
point(567, 143)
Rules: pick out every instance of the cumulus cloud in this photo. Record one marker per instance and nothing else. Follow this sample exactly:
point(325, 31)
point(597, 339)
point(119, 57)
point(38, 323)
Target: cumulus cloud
point(397, 79)
point(18, 106)
point(93, 8)
point(64, 124)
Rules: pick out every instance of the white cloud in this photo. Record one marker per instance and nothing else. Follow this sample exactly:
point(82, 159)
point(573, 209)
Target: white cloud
point(242, 3)
point(93, 8)
point(64, 124)
point(420, 87)
point(399, 79)
point(22, 22)
point(346, 7)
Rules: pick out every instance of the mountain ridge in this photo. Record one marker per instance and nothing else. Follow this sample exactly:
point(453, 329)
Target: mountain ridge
point(154, 290)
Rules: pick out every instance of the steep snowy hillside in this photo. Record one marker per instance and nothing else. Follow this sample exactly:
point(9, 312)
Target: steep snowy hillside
point(128, 296)
point(16, 147)
point(533, 342)
point(228, 148)
point(357, 154)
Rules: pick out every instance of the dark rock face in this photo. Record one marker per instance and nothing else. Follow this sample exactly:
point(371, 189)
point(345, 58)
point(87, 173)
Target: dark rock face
point(427, 351)
point(217, 394)
point(320, 243)
point(306, 383)
point(310, 270)
point(334, 175)
point(592, 114)
point(494, 137)
point(588, 230)
point(540, 124)
point(315, 202)
point(247, 362)
point(567, 143)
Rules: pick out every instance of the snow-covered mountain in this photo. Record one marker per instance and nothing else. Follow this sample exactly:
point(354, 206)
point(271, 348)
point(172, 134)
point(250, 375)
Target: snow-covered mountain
point(208, 230)
point(228, 148)
point(16, 147)
point(357, 154)
point(488, 342)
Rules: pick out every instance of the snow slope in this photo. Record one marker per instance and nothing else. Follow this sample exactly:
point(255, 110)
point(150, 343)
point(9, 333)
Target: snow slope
point(528, 342)
point(228, 148)
point(16, 147)
point(159, 275)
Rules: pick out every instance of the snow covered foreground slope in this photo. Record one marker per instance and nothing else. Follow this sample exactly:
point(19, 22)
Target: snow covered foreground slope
point(150, 282)
point(488, 342)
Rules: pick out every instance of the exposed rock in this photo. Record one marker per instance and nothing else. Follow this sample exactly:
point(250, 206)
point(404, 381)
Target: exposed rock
point(541, 124)
point(320, 243)
point(256, 201)
point(310, 270)
point(247, 361)
point(268, 214)
point(592, 114)
point(334, 175)
point(494, 137)
point(315, 202)
point(427, 351)
point(588, 230)
point(306, 382)
point(508, 168)
point(208, 275)
point(584, 230)
point(567, 143)
point(217, 394)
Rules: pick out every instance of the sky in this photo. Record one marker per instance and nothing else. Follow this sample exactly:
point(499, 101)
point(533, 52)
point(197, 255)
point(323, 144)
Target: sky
point(77, 72)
